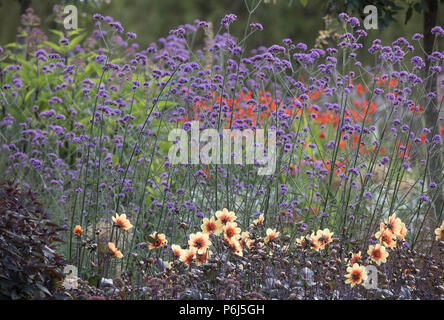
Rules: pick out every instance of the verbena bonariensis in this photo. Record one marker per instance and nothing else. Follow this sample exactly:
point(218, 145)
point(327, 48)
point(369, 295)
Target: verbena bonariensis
point(85, 124)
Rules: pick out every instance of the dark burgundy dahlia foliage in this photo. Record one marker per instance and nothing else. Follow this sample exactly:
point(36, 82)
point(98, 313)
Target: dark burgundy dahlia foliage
point(30, 266)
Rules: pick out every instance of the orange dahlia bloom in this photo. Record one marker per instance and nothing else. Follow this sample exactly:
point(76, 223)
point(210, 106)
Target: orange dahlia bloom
point(177, 250)
point(211, 226)
point(403, 231)
point(355, 258)
point(378, 253)
point(439, 232)
point(122, 221)
point(237, 248)
point(188, 256)
point(156, 240)
point(202, 257)
point(271, 234)
point(78, 230)
point(249, 243)
point(231, 231)
point(259, 220)
point(393, 224)
point(315, 245)
point(302, 243)
point(324, 237)
point(114, 250)
point(386, 238)
point(356, 274)
point(225, 216)
point(244, 238)
point(200, 241)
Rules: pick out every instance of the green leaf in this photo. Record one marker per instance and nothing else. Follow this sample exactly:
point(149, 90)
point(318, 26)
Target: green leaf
point(408, 14)
point(93, 68)
point(94, 280)
point(417, 7)
point(304, 2)
point(75, 41)
point(57, 32)
point(29, 94)
point(52, 45)
point(75, 32)
point(101, 248)
point(12, 45)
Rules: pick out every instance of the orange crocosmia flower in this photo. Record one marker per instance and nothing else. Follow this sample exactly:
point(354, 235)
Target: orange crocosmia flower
point(371, 108)
point(382, 150)
point(363, 149)
point(360, 88)
point(315, 95)
point(225, 216)
point(315, 116)
point(240, 107)
point(393, 83)
point(339, 166)
point(330, 118)
point(211, 226)
point(314, 210)
point(355, 139)
point(356, 274)
point(326, 117)
point(417, 109)
point(122, 221)
point(114, 250)
point(378, 253)
point(208, 173)
point(402, 153)
point(271, 234)
point(441, 130)
point(231, 231)
point(156, 240)
point(78, 230)
point(200, 241)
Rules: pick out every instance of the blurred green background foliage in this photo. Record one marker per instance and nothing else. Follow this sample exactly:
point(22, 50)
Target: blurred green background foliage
point(296, 19)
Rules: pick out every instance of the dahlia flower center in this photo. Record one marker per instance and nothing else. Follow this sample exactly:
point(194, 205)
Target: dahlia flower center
point(356, 275)
point(376, 254)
